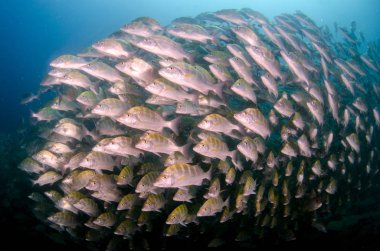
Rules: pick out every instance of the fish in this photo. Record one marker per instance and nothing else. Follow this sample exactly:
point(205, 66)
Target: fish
point(154, 202)
point(69, 62)
point(254, 120)
point(98, 161)
point(143, 118)
point(48, 177)
point(220, 72)
point(163, 46)
point(284, 107)
point(237, 51)
point(213, 147)
point(181, 175)
point(242, 70)
point(47, 114)
point(138, 69)
point(216, 123)
point(148, 183)
point(190, 32)
point(102, 71)
point(125, 176)
point(64, 219)
point(231, 15)
point(110, 107)
point(194, 77)
point(248, 148)
point(244, 90)
point(107, 219)
point(30, 165)
point(263, 57)
point(212, 206)
point(126, 228)
point(227, 118)
point(114, 48)
point(128, 201)
point(143, 26)
point(88, 206)
point(178, 215)
point(166, 89)
point(185, 194)
point(157, 143)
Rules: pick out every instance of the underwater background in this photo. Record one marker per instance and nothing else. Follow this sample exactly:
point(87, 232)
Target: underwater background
point(37, 31)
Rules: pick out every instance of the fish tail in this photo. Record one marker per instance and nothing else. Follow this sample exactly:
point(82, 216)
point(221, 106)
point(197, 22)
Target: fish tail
point(95, 88)
point(173, 125)
point(218, 89)
point(226, 203)
point(87, 132)
point(190, 57)
point(185, 150)
point(233, 155)
point(195, 98)
point(208, 174)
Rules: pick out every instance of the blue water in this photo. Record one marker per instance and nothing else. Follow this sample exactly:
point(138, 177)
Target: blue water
point(33, 32)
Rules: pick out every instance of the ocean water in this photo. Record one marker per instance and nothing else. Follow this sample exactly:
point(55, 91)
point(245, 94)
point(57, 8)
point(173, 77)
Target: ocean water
point(36, 32)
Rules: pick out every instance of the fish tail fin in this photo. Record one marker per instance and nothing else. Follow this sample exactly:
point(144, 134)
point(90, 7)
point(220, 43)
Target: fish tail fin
point(214, 40)
point(218, 89)
point(233, 155)
point(232, 134)
point(190, 57)
point(95, 88)
point(226, 203)
point(239, 166)
point(34, 182)
point(208, 174)
point(173, 125)
point(33, 114)
point(195, 99)
point(185, 150)
point(87, 132)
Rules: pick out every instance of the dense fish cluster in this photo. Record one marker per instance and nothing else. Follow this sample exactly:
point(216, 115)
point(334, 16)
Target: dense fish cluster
point(224, 120)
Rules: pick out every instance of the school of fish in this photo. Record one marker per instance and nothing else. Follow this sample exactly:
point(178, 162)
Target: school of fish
point(225, 119)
